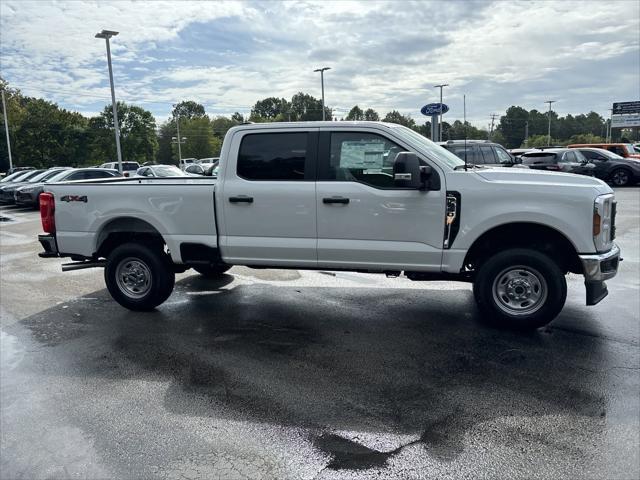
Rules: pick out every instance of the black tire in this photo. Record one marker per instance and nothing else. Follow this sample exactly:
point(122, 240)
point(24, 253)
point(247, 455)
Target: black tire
point(520, 288)
point(620, 177)
point(139, 277)
point(211, 271)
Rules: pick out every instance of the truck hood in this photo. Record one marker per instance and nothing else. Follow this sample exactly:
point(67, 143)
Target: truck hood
point(540, 177)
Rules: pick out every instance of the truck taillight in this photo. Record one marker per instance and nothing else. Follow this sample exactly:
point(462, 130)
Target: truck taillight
point(47, 212)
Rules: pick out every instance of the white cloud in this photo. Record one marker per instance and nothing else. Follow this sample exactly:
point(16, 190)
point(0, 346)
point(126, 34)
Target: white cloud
point(383, 54)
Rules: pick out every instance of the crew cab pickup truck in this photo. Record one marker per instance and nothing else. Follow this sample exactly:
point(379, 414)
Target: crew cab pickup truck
point(355, 196)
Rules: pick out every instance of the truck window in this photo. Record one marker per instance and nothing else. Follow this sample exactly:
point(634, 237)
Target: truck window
point(362, 157)
point(273, 156)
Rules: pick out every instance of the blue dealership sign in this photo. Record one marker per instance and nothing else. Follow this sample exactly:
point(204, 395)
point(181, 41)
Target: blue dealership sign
point(433, 109)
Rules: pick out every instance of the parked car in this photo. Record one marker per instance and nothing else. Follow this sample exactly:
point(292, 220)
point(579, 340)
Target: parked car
point(29, 194)
point(186, 162)
point(481, 152)
point(128, 168)
point(214, 160)
point(7, 189)
point(558, 160)
point(160, 171)
point(35, 180)
point(612, 168)
point(279, 202)
point(200, 168)
point(625, 150)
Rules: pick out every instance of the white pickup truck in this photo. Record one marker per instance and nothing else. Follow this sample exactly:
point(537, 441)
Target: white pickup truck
point(356, 196)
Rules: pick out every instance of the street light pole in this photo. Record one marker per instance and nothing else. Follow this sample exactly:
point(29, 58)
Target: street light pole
point(179, 141)
point(440, 126)
point(321, 70)
point(549, 129)
point(107, 34)
point(6, 129)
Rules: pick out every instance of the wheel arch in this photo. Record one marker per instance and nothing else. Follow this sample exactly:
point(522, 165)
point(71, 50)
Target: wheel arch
point(537, 236)
point(126, 229)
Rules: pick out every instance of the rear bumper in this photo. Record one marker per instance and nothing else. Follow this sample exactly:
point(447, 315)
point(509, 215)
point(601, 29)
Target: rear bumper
point(596, 269)
point(50, 246)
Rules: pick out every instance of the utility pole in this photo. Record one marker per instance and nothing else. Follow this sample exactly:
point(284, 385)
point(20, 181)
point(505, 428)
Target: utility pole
point(441, 86)
point(549, 129)
point(321, 70)
point(526, 133)
point(610, 136)
point(6, 128)
point(493, 119)
point(107, 34)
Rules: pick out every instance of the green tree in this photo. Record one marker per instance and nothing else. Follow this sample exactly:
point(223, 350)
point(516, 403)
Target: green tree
point(305, 107)
point(513, 126)
point(271, 109)
point(584, 138)
point(165, 147)
point(371, 115)
point(355, 113)
point(200, 141)
point(540, 141)
point(188, 109)
point(138, 138)
point(396, 117)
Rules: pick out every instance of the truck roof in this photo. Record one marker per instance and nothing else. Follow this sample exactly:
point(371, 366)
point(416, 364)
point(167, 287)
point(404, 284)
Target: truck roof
point(342, 124)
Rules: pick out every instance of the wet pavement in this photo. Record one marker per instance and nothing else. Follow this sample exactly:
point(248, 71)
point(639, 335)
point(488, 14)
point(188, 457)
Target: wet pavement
point(287, 374)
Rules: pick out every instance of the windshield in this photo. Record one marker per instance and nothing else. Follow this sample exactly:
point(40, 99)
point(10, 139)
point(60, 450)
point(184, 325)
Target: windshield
point(168, 171)
point(30, 175)
point(630, 149)
point(43, 175)
point(15, 175)
point(434, 150)
point(59, 176)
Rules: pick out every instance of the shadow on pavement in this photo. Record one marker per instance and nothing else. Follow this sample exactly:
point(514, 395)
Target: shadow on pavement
point(406, 362)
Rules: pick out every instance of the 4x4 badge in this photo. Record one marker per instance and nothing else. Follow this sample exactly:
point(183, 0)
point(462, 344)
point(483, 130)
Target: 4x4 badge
point(74, 198)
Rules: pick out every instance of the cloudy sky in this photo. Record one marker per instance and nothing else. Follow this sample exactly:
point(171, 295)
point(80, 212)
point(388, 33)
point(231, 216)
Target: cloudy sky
point(384, 55)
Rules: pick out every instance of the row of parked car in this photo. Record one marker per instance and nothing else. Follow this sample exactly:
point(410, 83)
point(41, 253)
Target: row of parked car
point(25, 186)
point(618, 164)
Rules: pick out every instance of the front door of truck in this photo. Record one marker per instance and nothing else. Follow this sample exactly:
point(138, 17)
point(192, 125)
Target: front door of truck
point(363, 220)
point(268, 211)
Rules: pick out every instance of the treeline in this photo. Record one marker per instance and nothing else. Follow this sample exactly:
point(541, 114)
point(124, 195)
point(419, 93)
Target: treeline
point(43, 134)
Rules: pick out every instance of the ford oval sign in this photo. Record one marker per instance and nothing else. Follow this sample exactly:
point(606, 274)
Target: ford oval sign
point(433, 109)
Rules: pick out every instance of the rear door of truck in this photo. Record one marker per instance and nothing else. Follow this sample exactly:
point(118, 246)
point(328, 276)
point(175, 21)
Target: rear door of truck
point(268, 197)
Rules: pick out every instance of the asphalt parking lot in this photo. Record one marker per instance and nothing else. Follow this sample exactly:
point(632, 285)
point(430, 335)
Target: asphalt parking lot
point(287, 374)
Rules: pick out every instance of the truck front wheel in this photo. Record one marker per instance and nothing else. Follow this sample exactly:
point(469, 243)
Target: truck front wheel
point(139, 277)
point(520, 288)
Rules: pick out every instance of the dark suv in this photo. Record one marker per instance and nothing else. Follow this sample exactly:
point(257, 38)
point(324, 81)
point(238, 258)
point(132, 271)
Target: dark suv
point(481, 152)
point(612, 168)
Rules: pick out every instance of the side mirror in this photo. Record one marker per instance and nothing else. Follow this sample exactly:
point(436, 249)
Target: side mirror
point(407, 172)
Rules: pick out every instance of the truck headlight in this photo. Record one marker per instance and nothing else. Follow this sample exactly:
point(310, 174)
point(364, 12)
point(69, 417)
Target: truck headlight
point(602, 223)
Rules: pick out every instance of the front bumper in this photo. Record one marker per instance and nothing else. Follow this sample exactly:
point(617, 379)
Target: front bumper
point(22, 198)
point(596, 269)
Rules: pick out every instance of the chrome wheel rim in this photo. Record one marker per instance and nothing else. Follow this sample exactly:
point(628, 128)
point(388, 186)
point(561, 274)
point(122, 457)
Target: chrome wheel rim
point(519, 290)
point(133, 277)
point(620, 178)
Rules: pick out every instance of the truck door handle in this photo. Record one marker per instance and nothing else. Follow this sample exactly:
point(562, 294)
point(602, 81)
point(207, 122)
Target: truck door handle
point(341, 200)
point(241, 199)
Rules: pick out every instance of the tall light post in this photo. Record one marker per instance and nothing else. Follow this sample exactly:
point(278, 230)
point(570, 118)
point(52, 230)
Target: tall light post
point(179, 140)
point(6, 129)
point(107, 34)
point(440, 127)
point(321, 70)
point(549, 129)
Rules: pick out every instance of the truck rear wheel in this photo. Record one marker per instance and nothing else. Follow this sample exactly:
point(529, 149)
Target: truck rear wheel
point(211, 271)
point(139, 277)
point(520, 288)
